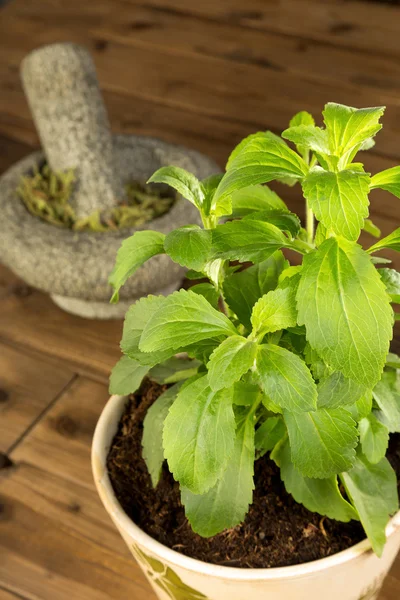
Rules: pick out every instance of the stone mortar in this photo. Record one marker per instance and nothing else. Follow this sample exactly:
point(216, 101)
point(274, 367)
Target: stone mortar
point(73, 267)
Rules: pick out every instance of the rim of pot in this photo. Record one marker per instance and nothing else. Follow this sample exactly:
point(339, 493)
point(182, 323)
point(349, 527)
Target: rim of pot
point(112, 412)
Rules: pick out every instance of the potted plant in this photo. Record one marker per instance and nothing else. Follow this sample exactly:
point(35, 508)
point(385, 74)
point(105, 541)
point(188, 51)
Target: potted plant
point(286, 370)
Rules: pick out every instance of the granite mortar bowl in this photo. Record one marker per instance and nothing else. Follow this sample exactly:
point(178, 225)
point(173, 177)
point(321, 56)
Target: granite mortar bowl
point(73, 267)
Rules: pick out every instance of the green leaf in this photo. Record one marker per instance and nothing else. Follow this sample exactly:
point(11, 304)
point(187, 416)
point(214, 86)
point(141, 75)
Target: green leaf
point(174, 369)
point(285, 379)
point(373, 492)
point(183, 319)
point(252, 241)
point(302, 118)
point(269, 434)
point(283, 219)
point(274, 311)
point(209, 186)
point(308, 136)
point(317, 366)
point(391, 241)
point(391, 279)
point(374, 438)
point(388, 180)
point(137, 317)
point(189, 246)
point(361, 408)
point(243, 289)
point(318, 495)
point(386, 394)
point(182, 181)
point(349, 127)
point(227, 503)
point(261, 160)
point(322, 442)
point(255, 198)
point(203, 349)
point(245, 393)
point(134, 251)
point(199, 435)
point(153, 425)
point(392, 360)
point(336, 390)
point(371, 228)
point(126, 376)
point(339, 200)
point(343, 304)
point(232, 359)
point(208, 291)
point(379, 260)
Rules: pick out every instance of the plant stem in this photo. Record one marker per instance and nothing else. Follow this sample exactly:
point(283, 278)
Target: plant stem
point(309, 224)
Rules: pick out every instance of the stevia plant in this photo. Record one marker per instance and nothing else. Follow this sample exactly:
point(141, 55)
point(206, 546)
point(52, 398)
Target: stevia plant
point(290, 360)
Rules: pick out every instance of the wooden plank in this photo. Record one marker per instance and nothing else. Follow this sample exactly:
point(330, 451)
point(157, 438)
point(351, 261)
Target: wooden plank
point(372, 27)
point(207, 84)
point(27, 386)
point(61, 441)
point(7, 595)
point(29, 319)
point(57, 542)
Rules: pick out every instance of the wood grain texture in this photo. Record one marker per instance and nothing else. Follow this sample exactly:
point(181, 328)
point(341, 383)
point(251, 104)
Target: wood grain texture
point(57, 543)
point(62, 439)
point(27, 387)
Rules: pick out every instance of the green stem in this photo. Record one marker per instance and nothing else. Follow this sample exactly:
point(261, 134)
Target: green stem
point(310, 224)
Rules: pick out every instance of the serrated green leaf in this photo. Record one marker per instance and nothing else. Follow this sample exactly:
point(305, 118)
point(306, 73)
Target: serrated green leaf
point(253, 241)
point(269, 434)
point(138, 315)
point(243, 289)
point(388, 180)
point(173, 370)
point(153, 425)
point(318, 495)
point(261, 160)
point(322, 442)
point(203, 349)
point(134, 251)
point(230, 361)
point(183, 319)
point(373, 492)
point(349, 127)
point(285, 379)
point(302, 118)
point(343, 304)
point(386, 394)
point(209, 186)
point(126, 376)
point(339, 200)
point(336, 390)
point(226, 504)
point(309, 137)
point(391, 279)
point(182, 181)
point(317, 366)
point(189, 246)
point(208, 291)
point(390, 241)
point(199, 435)
point(371, 228)
point(282, 219)
point(274, 311)
point(374, 438)
point(256, 198)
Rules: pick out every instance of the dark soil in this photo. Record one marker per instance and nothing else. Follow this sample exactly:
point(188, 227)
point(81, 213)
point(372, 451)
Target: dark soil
point(277, 531)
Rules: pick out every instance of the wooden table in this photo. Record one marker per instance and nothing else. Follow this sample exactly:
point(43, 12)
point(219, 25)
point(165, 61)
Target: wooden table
point(203, 74)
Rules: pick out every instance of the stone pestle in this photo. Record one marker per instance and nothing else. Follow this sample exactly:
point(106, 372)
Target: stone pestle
point(61, 85)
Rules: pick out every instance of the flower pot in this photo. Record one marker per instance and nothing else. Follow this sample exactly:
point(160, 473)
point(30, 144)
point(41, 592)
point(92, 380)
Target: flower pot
point(354, 574)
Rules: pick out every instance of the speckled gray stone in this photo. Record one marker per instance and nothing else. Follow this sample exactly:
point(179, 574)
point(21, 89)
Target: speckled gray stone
point(76, 265)
point(61, 85)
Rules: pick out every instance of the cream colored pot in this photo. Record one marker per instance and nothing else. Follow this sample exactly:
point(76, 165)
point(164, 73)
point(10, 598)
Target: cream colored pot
point(354, 574)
